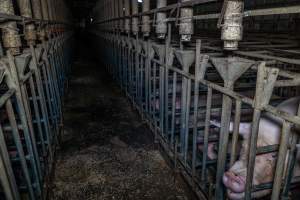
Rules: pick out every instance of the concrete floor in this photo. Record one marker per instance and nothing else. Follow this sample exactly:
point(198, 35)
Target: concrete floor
point(106, 150)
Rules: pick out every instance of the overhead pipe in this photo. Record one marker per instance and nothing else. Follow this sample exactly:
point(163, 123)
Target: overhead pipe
point(146, 19)
point(186, 26)
point(10, 36)
point(161, 25)
point(135, 20)
point(232, 29)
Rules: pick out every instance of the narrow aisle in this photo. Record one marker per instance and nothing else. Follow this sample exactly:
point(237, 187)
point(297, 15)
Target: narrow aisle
point(106, 150)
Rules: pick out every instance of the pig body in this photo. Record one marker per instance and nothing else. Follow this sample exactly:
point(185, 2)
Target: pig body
point(269, 134)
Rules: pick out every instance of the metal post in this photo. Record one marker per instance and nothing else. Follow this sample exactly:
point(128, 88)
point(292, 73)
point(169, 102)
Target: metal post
point(232, 30)
point(127, 14)
point(186, 28)
point(50, 11)
point(10, 35)
point(135, 20)
point(45, 11)
point(161, 25)
point(146, 19)
point(121, 14)
point(29, 29)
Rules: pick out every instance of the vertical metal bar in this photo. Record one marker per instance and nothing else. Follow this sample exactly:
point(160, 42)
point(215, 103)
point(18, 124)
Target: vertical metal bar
point(18, 142)
point(7, 177)
point(49, 100)
point(168, 62)
point(187, 117)
point(235, 135)
point(154, 95)
point(206, 133)
point(161, 95)
point(173, 115)
point(281, 159)
point(291, 162)
point(183, 111)
point(223, 142)
point(27, 125)
point(252, 152)
point(36, 114)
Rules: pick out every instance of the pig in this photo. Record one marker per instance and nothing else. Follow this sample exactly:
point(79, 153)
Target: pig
point(269, 134)
point(211, 152)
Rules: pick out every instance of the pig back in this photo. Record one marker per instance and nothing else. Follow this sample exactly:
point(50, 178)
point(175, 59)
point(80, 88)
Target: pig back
point(290, 106)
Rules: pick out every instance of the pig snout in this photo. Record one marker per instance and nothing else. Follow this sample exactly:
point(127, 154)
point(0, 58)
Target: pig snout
point(269, 133)
point(235, 183)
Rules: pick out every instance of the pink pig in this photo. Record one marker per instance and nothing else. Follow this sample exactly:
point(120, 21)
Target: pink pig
point(268, 134)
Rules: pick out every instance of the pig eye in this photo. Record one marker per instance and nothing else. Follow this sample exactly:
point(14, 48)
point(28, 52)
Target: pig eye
point(274, 155)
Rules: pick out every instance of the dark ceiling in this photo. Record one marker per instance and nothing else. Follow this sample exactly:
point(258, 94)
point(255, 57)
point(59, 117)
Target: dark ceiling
point(80, 8)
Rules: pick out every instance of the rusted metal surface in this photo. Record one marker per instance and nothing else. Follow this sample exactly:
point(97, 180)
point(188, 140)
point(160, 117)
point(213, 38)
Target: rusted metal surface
point(29, 28)
point(232, 29)
point(10, 35)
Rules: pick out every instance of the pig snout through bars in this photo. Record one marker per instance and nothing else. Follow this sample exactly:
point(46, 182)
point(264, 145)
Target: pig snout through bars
point(269, 133)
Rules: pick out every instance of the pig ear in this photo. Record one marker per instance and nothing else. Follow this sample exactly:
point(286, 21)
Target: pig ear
point(245, 129)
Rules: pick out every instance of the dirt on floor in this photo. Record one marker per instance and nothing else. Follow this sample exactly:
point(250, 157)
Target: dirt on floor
point(107, 152)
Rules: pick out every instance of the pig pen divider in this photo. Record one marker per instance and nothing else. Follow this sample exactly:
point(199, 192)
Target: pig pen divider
point(176, 91)
point(32, 85)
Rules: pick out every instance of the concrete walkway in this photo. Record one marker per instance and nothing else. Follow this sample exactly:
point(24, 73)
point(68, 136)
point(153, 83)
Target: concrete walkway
point(106, 151)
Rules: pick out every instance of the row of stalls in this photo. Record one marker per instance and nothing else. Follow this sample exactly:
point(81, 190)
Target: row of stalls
point(217, 83)
point(35, 54)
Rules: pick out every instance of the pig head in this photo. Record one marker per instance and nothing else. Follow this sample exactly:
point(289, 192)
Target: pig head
point(269, 134)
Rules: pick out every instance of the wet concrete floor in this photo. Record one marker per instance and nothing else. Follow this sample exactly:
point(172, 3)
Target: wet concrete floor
point(107, 152)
